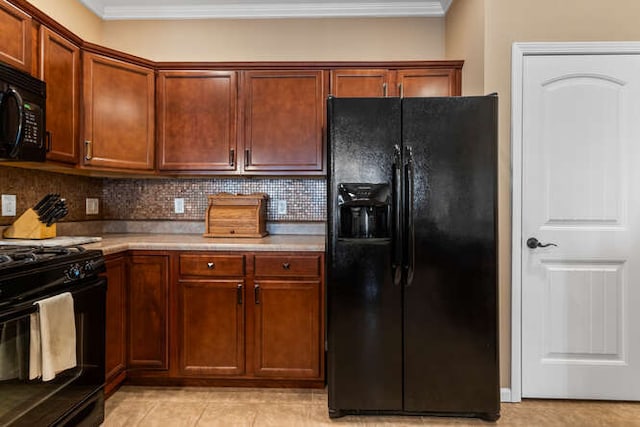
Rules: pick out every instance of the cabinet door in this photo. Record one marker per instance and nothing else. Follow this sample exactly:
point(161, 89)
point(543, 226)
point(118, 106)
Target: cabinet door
point(362, 83)
point(211, 327)
point(116, 333)
point(287, 331)
point(197, 120)
point(148, 311)
point(60, 68)
point(118, 101)
point(15, 37)
point(428, 82)
point(283, 121)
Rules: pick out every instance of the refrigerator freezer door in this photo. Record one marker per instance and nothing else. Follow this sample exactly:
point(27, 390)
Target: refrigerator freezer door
point(364, 307)
point(450, 317)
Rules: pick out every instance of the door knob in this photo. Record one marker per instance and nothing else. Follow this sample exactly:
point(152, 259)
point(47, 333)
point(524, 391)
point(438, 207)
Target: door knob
point(533, 243)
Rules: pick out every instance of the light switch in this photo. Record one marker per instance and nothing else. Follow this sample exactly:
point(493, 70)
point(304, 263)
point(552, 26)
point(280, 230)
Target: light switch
point(92, 206)
point(281, 207)
point(178, 205)
point(8, 205)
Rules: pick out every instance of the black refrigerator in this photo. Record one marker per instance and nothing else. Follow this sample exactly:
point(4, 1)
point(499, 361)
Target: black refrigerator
point(412, 293)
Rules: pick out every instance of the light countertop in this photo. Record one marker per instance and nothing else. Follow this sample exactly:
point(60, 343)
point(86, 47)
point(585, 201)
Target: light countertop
point(114, 243)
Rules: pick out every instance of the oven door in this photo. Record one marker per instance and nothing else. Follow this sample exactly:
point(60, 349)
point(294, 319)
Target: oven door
point(73, 394)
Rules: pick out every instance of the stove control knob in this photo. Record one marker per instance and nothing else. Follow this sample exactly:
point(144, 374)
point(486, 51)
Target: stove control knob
point(88, 267)
point(74, 272)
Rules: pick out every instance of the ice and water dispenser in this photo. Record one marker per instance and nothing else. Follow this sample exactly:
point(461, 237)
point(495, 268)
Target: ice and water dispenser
point(365, 210)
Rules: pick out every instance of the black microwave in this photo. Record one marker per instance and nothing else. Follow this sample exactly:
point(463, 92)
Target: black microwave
point(22, 116)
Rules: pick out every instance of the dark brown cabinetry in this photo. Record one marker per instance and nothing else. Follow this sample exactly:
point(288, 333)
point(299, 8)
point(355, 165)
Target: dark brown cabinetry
point(210, 314)
point(148, 311)
point(284, 121)
point(232, 323)
point(197, 112)
point(215, 318)
point(288, 335)
point(428, 82)
point(118, 100)
point(116, 322)
point(60, 69)
point(360, 83)
point(414, 82)
point(15, 37)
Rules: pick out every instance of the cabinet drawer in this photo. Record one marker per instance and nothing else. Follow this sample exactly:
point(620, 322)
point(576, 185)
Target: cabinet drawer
point(282, 265)
point(211, 265)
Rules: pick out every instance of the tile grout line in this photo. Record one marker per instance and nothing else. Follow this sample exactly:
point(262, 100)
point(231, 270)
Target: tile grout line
point(151, 408)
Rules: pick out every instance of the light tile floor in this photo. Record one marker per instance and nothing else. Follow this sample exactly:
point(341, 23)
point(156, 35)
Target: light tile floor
point(230, 407)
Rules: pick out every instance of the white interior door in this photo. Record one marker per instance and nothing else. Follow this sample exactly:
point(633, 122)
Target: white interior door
point(581, 191)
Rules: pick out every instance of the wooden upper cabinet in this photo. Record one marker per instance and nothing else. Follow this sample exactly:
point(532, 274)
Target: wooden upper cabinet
point(118, 100)
point(428, 82)
point(60, 69)
point(283, 121)
point(415, 82)
point(197, 113)
point(360, 83)
point(15, 37)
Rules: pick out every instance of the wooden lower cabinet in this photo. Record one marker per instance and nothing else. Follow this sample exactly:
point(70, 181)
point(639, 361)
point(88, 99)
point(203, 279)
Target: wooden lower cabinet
point(210, 319)
point(148, 311)
point(216, 318)
point(287, 334)
point(116, 323)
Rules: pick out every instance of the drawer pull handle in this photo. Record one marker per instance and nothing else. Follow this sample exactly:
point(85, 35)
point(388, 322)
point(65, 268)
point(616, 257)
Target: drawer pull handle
point(211, 265)
point(239, 293)
point(286, 265)
point(256, 293)
point(232, 231)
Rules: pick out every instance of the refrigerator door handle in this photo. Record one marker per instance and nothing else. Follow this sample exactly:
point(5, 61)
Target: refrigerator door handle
point(411, 241)
point(397, 216)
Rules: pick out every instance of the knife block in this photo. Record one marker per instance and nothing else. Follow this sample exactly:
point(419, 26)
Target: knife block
point(28, 226)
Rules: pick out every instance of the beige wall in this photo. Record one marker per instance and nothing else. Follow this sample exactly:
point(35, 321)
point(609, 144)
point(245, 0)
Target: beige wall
point(464, 39)
point(73, 15)
point(508, 21)
point(279, 39)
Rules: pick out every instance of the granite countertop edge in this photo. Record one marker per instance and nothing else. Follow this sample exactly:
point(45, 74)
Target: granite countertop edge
point(116, 243)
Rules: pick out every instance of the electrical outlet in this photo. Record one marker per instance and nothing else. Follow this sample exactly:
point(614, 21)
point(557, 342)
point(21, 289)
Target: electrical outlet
point(8, 205)
point(178, 205)
point(281, 207)
point(93, 206)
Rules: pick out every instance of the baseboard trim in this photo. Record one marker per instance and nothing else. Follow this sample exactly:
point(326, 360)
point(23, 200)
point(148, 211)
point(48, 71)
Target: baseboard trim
point(505, 394)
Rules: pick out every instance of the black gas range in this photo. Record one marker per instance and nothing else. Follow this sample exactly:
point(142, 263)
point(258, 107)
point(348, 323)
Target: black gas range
point(29, 275)
point(28, 271)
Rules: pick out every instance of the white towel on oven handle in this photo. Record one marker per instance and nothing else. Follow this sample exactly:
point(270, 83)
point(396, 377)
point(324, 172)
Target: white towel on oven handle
point(52, 346)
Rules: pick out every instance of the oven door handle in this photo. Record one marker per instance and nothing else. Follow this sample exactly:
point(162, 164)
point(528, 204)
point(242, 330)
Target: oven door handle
point(39, 289)
point(18, 305)
point(12, 312)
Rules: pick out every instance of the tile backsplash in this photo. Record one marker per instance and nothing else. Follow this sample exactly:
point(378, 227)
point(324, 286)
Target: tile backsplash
point(30, 186)
point(134, 199)
point(153, 199)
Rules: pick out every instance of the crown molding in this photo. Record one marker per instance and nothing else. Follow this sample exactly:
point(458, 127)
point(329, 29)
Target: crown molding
point(259, 10)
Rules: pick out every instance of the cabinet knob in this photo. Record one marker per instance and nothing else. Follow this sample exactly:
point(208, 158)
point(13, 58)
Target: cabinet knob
point(232, 231)
point(286, 265)
point(211, 265)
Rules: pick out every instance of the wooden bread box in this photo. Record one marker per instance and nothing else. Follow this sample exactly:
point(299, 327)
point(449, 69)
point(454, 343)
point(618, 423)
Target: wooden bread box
point(236, 215)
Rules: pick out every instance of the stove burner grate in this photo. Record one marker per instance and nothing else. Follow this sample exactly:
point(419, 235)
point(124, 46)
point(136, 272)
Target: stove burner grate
point(16, 254)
